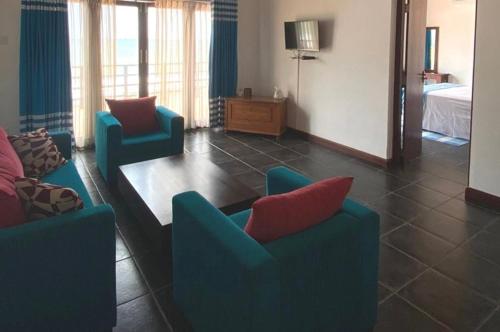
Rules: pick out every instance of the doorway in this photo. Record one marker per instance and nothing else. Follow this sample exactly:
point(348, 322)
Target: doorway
point(433, 77)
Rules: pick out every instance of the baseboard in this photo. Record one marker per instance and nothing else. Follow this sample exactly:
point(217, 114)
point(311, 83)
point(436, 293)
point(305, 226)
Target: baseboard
point(369, 158)
point(483, 199)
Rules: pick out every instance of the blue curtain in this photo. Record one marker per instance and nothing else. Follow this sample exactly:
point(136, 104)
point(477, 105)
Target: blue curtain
point(45, 72)
point(223, 57)
point(428, 46)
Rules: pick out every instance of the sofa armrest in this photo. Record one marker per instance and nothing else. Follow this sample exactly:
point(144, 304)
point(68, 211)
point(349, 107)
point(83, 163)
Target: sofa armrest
point(108, 141)
point(59, 272)
point(281, 180)
point(215, 263)
point(63, 141)
point(173, 124)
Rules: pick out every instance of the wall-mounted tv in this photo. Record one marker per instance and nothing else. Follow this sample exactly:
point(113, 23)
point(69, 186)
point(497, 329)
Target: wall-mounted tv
point(302, 35)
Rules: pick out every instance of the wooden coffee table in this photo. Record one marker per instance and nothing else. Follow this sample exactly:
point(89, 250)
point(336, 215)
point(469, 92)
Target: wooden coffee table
point(148, 188)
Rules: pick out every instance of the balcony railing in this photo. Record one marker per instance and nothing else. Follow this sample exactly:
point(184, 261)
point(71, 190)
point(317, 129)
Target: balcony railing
point(125, 81)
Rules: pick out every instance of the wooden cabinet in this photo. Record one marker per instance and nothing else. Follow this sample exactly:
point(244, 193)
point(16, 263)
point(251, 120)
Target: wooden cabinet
point(258, 115)
point(438, 78)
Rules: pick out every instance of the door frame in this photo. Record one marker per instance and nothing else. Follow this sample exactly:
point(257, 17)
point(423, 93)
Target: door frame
point(400, 78)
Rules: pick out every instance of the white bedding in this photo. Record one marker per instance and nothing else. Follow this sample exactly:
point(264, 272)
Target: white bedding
point(448, 111)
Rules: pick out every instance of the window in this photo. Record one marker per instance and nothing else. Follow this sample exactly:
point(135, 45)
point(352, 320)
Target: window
point(140, 50)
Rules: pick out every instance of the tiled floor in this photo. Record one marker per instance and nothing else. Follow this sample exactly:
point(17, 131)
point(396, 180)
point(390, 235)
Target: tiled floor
point(439, 257)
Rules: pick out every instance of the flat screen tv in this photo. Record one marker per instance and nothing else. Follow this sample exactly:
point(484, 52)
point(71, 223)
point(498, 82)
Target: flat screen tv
point(302, 35)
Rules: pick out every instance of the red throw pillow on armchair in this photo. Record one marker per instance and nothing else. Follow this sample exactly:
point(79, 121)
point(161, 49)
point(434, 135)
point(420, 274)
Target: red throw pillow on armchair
point(281, 215)
point(137, 116)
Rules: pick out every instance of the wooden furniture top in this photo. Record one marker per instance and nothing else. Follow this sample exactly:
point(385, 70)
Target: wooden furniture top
point(257, 99)
point(157, 181)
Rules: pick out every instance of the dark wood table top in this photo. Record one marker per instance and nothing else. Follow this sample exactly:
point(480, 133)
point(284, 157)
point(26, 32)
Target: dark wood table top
point(157, 181)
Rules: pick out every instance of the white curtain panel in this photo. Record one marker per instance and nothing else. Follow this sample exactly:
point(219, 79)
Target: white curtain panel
point(179, 58)
point(92, 50)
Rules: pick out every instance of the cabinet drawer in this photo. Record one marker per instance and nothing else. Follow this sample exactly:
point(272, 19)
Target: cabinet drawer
point(251, 113)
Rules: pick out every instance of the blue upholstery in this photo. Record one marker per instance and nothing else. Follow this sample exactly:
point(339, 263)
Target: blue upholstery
point(322, 279)
point(113, 149)
point(58, 274)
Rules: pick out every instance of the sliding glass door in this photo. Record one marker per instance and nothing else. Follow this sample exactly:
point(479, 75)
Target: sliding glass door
point(130, 49)
point(126, 83)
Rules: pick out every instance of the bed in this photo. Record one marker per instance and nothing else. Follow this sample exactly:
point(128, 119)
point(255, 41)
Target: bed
point(447, 109)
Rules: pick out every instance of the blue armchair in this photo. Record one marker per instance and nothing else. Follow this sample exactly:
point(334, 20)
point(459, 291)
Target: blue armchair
point(323, 279)
point(113, 149)
point(58, 273)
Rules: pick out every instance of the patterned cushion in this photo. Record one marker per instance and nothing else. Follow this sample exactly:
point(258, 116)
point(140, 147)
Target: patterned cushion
point(43, 200)
point(38, 153)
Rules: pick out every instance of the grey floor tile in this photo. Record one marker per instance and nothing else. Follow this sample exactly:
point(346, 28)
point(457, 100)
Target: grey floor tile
point(450, 302)
point(486, 245)
point(140, 314)
point(492, 324)
point(419, 244)
point(467, 212)
point(400, 207)
point(424, 196)
point(443, 186)
point(473, 271)
point(396, 315)
point(448, 228)
point(396, 269)
point(129, 283)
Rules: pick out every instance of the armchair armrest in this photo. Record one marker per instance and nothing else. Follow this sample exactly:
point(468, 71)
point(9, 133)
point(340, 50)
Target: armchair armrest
point(221, 275)
point(63, 141)
point(59, 272)
point(108, 141)
point(173, 124)
point(281, 180)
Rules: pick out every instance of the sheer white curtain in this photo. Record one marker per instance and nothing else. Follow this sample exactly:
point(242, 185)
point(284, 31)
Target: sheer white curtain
point(91, 27)
point(179, 58)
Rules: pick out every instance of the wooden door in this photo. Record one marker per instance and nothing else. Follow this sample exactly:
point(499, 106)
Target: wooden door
point(416, 19)
point(408, 79)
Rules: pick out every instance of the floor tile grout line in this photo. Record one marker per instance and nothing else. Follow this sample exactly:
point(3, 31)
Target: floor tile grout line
point(152, 293)
point(414, 306)
point(434, 268)
point(487, 319)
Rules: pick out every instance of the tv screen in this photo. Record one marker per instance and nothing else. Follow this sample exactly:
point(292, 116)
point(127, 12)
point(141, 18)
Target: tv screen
point(302, 35)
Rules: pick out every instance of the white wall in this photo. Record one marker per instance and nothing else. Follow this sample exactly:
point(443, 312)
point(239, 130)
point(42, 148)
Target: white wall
point(9, 65)
point(345, 96)
point(456, 22)
point(248, 44)
point(485, 149)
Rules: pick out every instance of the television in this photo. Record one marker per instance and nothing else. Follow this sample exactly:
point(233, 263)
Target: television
point(302, 35)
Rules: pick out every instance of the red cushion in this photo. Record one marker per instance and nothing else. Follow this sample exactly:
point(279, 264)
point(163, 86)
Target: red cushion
point(11, 211)
point(277, 216)
point(9, 160)
point(137, 116)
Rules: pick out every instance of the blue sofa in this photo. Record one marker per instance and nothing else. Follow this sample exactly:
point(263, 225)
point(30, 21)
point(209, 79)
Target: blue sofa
point(58, 274)
point(323, 279)
point(113, 149)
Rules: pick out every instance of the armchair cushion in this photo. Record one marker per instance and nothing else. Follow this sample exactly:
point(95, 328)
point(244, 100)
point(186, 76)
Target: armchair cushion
point(137, 116)
point(281, 215)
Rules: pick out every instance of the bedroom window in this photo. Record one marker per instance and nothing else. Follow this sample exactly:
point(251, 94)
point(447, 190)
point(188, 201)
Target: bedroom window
point(431, 49)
